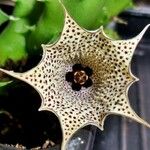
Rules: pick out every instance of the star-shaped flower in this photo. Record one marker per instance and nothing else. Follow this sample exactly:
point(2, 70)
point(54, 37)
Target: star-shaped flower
point(84, 77)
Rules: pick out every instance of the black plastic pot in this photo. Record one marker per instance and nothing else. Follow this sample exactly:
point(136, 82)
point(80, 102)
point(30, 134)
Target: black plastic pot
point(136, 20)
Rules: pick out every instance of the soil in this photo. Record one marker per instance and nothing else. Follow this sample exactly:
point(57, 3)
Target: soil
point(20, 120)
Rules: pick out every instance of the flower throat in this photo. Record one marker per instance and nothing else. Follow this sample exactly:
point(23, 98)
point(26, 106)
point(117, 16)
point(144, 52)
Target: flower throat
point(79, 77)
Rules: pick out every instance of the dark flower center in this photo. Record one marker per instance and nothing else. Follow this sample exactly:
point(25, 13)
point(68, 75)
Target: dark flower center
point(80, 76)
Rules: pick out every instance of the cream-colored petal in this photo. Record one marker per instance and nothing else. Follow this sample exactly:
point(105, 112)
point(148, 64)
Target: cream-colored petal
point(44, 78)
point(72, 33)
point(126, 48)
point(73, 119)
point(73, 104)
point(121, 103)
point(110, 61)
point(32, 76)
point(122, 107)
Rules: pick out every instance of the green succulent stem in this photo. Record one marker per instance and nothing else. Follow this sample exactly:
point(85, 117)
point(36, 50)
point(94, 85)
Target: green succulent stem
point(12, 39)
point(3, 17)
point(48, 28)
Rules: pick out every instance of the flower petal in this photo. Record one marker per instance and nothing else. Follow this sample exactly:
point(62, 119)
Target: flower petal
point(110, 62)
point(76, 86)
point(69, 77)
point(122, 107)
point(88, 83)
point(77, 67)
point(74, 118)
point(88, 71)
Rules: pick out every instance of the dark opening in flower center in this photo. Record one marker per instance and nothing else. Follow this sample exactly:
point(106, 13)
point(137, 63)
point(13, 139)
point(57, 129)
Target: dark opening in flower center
point(80, 76)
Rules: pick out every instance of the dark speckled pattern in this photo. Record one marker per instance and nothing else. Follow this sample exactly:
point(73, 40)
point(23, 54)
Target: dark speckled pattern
point(125, 134)
point(122, 133)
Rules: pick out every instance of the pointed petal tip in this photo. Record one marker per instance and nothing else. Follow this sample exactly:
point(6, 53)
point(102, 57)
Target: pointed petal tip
point(101, 28)
point(147, 26)
point(101, 128)
point(6, 71)
point(2, 69)
point(11, 73)
point(136, 79)
point(138, 119)
point(143, 32)
point(147, 125)
point(41, 108)
point(143, 122)
point(43, 47)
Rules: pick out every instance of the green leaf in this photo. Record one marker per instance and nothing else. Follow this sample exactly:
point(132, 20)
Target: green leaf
point(91, 14)
point(12, 46)
point(113, 7)
point(23, 7)
point(48, 27)
point(4, 83)
point(13, 37)
point(3, 17)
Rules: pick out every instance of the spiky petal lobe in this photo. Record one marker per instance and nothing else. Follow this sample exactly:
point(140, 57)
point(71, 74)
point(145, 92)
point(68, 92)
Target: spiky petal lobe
point(110, 62)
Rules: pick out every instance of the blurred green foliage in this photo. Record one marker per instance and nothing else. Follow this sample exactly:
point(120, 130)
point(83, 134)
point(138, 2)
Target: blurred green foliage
point(3, 17)
point(34, 22)
point(93, 13)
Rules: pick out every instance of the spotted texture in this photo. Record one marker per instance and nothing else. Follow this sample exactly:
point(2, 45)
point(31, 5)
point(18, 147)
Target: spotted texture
point(110, 62)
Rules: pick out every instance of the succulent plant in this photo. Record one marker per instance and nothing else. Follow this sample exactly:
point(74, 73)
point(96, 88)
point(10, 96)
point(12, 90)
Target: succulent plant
point(83, 77)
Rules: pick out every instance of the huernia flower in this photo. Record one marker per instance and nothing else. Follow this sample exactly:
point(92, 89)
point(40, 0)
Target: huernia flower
point(84, 77)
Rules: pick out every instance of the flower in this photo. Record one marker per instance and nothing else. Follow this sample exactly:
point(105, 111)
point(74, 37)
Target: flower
point(84, 77)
